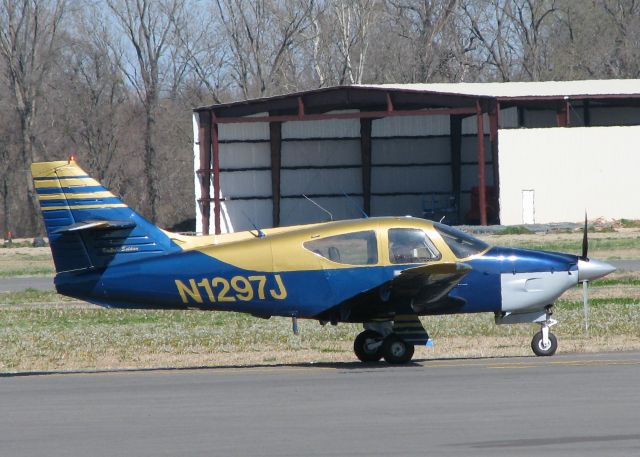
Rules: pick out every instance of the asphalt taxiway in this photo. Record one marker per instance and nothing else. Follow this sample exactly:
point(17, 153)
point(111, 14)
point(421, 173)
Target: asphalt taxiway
point(569, 405)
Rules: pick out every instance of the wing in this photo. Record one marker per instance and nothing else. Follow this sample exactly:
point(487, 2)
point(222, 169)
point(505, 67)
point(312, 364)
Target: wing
point(426, 287)
point(418, 290)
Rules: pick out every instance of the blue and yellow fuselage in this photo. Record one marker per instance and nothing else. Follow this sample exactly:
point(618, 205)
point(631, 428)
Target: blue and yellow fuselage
point(108, 254)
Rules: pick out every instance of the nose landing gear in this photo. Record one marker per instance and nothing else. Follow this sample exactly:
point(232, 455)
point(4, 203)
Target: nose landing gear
point(545, 343)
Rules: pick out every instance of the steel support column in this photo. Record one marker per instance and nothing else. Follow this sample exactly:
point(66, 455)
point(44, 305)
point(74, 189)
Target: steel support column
point(586, 113)
point(365, 154)
point(215, 147)
point(494, 124)
point(482, 194)
point(562, 114)
point(455, 136)
point(275, 143)
point(204, 173)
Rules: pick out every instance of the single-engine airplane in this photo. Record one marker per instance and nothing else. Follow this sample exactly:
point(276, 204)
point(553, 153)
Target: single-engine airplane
point(383, 272)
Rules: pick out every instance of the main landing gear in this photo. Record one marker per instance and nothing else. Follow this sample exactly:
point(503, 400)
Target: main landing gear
point(378, 341)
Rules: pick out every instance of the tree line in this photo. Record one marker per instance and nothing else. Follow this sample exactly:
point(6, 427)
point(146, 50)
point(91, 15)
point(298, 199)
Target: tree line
point(114, 81)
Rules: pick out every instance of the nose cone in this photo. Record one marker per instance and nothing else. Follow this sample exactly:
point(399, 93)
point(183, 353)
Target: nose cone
point(588, 270)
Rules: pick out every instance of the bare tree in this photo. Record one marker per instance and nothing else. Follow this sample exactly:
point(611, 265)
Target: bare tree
point(149, 30)
point(429, 41)
point(206, 54)
point(261, 34)
point(29, 30)
point(354, 20)
point(93, 92)
point(513, 35)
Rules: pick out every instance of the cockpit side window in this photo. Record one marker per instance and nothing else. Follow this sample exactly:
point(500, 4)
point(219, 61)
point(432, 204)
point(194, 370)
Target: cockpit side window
point(356, 248)
point(461, 244)
point(408, 245)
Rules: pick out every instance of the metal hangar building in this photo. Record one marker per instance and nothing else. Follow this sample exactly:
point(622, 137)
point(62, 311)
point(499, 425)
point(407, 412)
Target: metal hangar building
point(477, 153)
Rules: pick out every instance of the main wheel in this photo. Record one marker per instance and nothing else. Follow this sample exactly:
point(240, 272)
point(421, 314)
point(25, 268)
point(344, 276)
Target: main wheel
point(396, 351)
point(368, 346)
point(540, 349)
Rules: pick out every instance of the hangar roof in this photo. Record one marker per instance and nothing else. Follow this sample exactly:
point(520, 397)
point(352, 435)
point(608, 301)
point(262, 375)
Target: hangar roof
point(455, 97)
point(509, 90)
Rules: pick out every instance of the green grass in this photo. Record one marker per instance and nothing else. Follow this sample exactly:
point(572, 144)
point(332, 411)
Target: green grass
point(26, 271)
point(57, 337)
point(630, 223)
point(53, 335)
point(31, 296)
point(595, 244)
point(595, 302)
point(515, 230)
point(606, 282)
point(18, 244)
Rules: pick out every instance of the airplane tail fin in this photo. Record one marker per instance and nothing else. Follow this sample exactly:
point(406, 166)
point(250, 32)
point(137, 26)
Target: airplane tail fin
point(89, 227)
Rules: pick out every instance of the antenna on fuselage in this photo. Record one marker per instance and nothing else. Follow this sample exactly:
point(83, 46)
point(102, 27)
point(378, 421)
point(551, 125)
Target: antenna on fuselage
point(260, 233)
point(318, 205)
point(352, 201)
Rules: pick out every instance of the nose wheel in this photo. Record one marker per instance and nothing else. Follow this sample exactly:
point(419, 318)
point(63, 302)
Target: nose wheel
point(542, 348)
point(545, 343)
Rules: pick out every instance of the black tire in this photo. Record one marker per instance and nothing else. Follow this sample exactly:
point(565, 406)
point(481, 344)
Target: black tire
point(363, 352)
point(396, 351)
point(539, 349)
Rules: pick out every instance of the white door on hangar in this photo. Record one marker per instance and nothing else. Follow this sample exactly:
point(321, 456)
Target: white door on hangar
point(528, 206)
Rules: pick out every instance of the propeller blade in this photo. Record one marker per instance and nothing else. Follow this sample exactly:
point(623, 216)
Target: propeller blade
point(585, 240)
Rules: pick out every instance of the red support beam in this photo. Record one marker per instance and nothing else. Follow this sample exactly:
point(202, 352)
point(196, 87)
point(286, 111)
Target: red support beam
point(390, 108)
point(216, 174)
point(482, 193)
point(365, 154)
point(204, 173)
point(562, 114)
point(275, 143)
point(494, 125)
point(455, 136)
point(301, 116)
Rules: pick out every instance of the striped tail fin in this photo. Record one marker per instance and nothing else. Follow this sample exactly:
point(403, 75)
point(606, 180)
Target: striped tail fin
point(89, 227)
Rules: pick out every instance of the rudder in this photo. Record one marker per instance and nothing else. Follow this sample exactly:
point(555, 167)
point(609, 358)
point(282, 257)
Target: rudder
point(89, 227)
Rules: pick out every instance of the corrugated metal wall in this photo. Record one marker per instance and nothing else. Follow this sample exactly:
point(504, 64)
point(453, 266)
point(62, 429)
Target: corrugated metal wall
point(411, 158)
point(320, 159)
point(411, 168)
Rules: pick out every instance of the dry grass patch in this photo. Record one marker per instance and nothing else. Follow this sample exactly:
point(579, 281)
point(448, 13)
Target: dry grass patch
point(623, 243)
point(25, 261)
point(36, 338)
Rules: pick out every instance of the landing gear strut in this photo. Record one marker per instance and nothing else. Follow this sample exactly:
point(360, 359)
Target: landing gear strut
point(378, 341)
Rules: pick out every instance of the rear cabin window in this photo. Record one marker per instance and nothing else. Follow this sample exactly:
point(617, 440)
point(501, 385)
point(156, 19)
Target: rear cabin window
point(461, 244)
point(357, 248)
point(411, 246)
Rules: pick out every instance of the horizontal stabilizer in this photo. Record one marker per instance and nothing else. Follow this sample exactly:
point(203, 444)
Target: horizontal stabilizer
point(96, 225)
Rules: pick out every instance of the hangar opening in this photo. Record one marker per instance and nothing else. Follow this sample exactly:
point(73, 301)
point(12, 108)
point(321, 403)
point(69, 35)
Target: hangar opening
point(471, 153)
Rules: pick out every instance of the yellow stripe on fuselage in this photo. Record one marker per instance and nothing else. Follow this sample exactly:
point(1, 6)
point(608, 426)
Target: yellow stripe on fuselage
point(114, 205)
point(87, 195)
point(66, 182)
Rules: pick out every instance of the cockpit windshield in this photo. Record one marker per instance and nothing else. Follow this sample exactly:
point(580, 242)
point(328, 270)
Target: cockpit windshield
point(461, 244)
